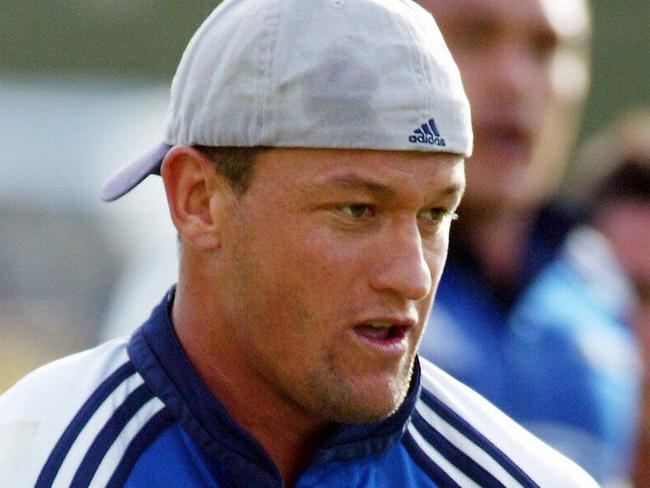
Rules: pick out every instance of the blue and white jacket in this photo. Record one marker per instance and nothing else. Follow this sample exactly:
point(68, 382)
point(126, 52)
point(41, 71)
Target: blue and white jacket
point(135, 413)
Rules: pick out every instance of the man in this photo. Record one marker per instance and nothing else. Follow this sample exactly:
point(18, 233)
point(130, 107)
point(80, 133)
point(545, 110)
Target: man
point(524, 65)
point(313, 161)
point(610, 182)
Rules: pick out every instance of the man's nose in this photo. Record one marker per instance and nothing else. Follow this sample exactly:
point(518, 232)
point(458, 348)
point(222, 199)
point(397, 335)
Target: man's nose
point(400, 265)
point(518, 73)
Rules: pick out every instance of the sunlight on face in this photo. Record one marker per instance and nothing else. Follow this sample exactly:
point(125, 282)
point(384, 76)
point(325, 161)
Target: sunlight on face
point(336, 255)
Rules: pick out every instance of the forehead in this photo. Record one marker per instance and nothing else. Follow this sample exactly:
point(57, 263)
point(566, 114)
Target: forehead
point(296, 171)
point(517, 14)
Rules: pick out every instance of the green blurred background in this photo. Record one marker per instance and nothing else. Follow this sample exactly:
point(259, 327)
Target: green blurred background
point(143, 39)
point(83, 89)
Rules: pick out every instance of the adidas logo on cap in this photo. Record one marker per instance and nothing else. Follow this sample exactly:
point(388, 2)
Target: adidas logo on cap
point(427, 133)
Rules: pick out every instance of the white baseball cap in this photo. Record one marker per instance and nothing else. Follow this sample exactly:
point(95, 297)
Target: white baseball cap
point(349, 74)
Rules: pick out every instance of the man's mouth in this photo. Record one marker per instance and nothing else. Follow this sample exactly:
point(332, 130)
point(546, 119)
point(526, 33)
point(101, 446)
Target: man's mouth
point(382, 331)
point(510, 142)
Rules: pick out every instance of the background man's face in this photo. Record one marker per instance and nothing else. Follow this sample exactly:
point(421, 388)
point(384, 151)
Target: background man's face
point(334, 257)
point(626, 223)
point(503, 49)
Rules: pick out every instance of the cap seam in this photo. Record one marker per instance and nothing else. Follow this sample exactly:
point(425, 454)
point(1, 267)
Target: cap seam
point(268, 62)
point(182, 131)
point(417, 63)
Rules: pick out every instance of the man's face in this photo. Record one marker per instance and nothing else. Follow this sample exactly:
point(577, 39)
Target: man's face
point(503, 49)
point(626, 223)
point(332, 260)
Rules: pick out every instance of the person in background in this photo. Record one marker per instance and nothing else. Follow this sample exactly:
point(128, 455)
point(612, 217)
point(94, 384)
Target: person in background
point(641, 325)
point(610, 185)
point(570, 332)
point(525, 68)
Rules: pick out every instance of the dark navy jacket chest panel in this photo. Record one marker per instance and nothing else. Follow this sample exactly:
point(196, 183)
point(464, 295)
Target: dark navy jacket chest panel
point(394, 468)
point(171, 461)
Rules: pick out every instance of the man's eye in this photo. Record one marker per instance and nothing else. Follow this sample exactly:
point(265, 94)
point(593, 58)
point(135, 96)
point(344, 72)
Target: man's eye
point(358, 211)
point(436, 215)
point(543, 46)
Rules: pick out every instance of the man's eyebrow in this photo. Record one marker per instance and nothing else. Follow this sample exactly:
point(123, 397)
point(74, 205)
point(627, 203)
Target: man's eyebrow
point(356, 183)
point(451, 190)
point(377, 190)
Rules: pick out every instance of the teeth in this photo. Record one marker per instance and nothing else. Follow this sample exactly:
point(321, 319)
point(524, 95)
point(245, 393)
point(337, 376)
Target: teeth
point(379, 324)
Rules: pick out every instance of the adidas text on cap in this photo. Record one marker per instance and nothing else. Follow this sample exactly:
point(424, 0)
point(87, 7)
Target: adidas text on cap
point(349, 74)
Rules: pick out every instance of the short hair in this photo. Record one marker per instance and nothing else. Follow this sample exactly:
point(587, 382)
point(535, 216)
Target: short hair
point(631, 180)
point(236, 164)
point(613, 165)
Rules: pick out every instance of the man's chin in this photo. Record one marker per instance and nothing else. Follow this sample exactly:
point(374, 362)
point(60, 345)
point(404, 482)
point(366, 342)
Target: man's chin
point(367, 411)
point(371, 402)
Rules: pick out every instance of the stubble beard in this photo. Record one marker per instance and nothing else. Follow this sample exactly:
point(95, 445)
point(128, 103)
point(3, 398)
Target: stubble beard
point(337, 399)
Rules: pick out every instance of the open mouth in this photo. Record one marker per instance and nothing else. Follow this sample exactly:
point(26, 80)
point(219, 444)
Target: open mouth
point(510, 134)
point(511, 141)
point(382, 331)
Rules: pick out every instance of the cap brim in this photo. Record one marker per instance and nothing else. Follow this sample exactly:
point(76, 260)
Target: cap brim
point(129, 176)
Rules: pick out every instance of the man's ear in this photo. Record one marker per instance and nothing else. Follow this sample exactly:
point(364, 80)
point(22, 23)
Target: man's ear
point(197, 195)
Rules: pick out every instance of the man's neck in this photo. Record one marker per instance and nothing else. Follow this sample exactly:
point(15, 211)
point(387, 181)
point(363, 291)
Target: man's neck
point(289, 435)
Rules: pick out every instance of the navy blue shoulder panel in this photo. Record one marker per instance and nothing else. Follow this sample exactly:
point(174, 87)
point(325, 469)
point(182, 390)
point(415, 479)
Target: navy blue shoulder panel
point(62, 447)
point(108, 434)
point(149, 433)
point(477, 438)
point(453, 454)
point(428, 466)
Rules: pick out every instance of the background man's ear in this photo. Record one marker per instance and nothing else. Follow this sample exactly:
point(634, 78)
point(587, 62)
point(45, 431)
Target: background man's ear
point(197, 196)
